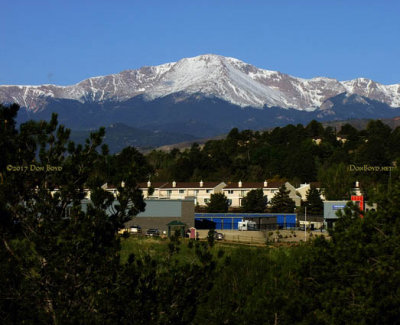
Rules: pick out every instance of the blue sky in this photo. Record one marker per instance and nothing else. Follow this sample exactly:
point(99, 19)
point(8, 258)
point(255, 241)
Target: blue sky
point(64, 42)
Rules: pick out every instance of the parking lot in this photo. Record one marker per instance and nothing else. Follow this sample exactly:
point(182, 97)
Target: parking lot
point(261, 237)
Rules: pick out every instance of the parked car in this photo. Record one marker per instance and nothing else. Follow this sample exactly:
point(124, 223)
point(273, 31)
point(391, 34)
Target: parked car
point(219, 236)
point(123, 231)
point(153, 232)
point(135, 230)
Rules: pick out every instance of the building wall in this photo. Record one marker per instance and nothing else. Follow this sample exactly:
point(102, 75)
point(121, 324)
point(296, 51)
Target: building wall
point(159, 213)
point(239, 193)
point(200, 195)
point(229, 221)
point(331, 207)
point(292, 194)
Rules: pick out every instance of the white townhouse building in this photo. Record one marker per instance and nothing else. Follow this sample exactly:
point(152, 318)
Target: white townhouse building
point(303, 189)
point(200, 191)
point(235, 192)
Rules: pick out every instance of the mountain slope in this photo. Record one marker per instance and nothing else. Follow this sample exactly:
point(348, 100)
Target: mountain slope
point(118, 136)
point(226, 78)
point(201, 116)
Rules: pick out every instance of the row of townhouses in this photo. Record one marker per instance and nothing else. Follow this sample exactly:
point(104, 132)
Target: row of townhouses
point(234, 191)
point(201, 191)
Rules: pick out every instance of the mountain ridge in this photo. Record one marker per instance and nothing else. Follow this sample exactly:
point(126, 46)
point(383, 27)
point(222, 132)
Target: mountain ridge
point(226, 78)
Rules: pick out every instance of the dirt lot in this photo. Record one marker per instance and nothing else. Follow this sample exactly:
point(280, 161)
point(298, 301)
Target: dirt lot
point(261, 237)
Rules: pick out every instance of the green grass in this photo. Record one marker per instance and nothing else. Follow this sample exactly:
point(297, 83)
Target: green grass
point(158, 249)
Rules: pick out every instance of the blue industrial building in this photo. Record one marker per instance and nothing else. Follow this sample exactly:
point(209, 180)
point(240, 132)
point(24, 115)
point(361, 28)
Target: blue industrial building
point(230, 221)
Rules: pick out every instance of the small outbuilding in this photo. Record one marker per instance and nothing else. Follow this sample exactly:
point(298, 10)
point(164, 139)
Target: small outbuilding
point(174, 226)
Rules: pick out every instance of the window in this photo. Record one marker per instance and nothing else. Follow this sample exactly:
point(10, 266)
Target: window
point(230, 191)
point(208, 191)
point(196, 192)
point(206, 200)
point(229, 202)
point(169, 192)
point(181, 191)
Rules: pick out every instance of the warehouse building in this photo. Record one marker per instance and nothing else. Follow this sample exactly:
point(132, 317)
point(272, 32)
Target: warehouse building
point(160, 213)
point(230, 221)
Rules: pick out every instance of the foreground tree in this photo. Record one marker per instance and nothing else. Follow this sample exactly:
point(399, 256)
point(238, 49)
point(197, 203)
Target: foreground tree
point(59, 253)
point(254, 202)
point(355, 275)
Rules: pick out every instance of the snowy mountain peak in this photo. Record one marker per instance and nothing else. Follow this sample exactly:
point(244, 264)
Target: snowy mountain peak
point(211, 75)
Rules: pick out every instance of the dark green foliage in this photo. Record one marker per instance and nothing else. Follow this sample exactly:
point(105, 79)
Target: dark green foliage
point(315, 129)
point(59, 257)
point(60, 263)
point(337, 182)
point(296, 153)
point(211, 237)
point(314, 203)
point(356, 274)
point(218, 203)
point(353, 278)
point(281, 202)
point(254, 201)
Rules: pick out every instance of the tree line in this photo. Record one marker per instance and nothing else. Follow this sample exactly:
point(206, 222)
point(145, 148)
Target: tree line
point(298, 154)
point(256, 202)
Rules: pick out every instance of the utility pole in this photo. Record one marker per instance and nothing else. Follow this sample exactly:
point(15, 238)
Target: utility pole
point(305, 224)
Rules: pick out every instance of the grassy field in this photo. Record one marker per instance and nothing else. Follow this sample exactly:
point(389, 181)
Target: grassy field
point(158, 248)
point(247, 280)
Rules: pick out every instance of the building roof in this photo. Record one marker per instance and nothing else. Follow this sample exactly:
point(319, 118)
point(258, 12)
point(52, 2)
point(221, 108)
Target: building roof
point(253, 185)
point(176, 223)
point(192, 185)
point(312, 184)
point(153, 184)
point(108, 186)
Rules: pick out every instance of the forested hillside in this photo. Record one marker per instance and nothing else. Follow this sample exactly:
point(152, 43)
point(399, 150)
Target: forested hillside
point(296, 153)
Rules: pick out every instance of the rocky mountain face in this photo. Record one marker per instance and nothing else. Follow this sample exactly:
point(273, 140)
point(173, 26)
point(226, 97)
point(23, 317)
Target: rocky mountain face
point(199, 97)
point(225, 78)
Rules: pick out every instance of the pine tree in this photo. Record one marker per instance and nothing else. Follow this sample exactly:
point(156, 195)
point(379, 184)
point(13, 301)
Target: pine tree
point(254, 202)
point(59, 254)
point(218, 203)
point(337, 182)
point(281, 202)
point(314, 203)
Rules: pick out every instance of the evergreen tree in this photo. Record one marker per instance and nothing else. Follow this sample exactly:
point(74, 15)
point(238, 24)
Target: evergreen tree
point(337, 182)
point(59, 254)
point(281, 202)
point(356, 273)
point(314, 203)
point(64, 252)
point(254, 201)
point(218, 203)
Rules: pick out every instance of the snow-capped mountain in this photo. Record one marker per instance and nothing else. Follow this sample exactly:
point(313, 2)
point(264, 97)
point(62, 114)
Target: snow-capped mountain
point(225, 78)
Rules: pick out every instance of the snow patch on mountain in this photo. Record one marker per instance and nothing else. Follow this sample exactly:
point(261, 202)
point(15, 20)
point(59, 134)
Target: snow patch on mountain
point(211, 75)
